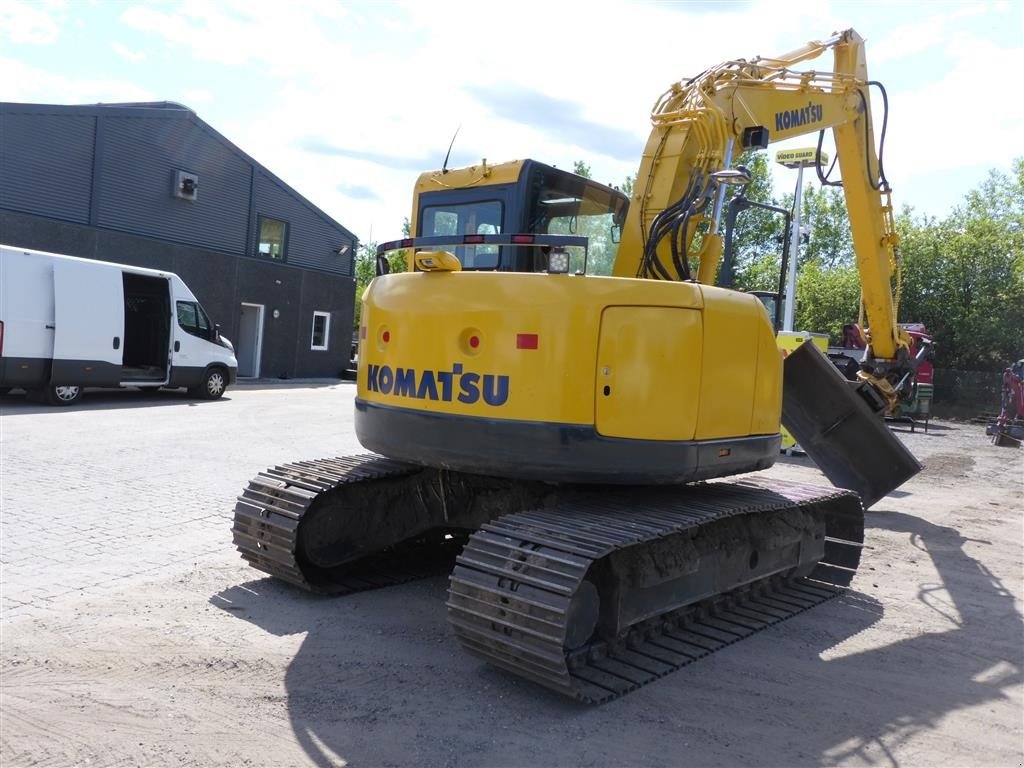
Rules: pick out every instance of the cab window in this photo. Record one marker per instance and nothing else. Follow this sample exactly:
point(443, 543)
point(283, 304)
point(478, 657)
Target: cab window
point(562, 203)
point(193, 319)
point(479, 218)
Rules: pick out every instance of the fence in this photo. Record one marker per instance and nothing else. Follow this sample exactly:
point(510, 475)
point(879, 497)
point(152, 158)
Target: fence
point(966, 394)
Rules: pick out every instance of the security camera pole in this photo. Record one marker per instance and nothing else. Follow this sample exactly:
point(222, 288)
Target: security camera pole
point(799, 159)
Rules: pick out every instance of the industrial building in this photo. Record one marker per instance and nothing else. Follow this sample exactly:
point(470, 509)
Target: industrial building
point(152, 185)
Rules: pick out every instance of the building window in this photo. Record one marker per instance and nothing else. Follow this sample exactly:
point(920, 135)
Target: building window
point(321, 330)
point(273, 238)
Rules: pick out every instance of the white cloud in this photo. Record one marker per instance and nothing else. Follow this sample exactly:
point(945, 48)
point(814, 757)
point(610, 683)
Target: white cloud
point(28, 23)
point(966, 118)
point(407, 98)
point(128, 54)
point(195, 96)
point(395, 80)
point(24, 83)
point(287, 38)
point(924, 34)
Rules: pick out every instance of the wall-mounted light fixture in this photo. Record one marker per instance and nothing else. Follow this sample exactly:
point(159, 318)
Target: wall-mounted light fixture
point(186, 186)
point(276, 313)
point(341, 250)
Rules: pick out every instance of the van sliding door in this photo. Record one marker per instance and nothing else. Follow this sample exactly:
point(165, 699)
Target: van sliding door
point(88, 324)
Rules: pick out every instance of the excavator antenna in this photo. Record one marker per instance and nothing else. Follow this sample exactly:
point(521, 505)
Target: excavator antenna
point(444, 167)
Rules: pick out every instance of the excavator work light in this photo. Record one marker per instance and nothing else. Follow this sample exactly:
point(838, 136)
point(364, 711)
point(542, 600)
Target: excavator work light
point(437, 261)
point(558, 262)
point(733, 177)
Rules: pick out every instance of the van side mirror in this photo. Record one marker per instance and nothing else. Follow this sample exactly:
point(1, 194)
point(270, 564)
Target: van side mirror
point(216, 331)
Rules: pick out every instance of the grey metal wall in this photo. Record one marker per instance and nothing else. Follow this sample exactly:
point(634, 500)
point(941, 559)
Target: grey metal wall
point(136, 162)
point(46, 164)
point(113, 167)
point(312, 240)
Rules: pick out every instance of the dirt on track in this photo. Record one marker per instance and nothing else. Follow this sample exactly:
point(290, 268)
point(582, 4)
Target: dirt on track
point(920, 664)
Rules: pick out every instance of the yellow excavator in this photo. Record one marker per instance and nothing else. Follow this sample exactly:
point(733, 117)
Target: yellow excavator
point(561, 433)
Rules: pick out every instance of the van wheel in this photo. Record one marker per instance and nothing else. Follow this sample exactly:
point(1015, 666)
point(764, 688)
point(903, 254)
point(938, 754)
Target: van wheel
point(63, 394)
point(213, 385)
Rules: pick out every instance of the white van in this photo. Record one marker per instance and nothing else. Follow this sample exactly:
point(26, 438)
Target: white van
point(68, 323)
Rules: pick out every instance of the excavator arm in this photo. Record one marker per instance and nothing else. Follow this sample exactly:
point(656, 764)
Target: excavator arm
point(702, 124)
point(699, 126)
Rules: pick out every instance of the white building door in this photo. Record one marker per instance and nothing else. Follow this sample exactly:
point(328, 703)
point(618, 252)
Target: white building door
point(250, 340)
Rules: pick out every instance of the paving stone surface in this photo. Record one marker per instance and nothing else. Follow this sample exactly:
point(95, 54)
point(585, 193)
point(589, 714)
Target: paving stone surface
point(126, 484)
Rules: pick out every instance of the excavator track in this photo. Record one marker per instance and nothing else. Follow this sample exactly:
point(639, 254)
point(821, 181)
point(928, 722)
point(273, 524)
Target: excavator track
point(525, 592)
point(275, 508)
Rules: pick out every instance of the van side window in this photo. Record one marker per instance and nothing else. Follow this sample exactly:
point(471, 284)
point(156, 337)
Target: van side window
point(193, 319)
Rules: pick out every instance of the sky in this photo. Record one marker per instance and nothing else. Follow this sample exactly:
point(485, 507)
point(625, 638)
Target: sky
point(348, 102)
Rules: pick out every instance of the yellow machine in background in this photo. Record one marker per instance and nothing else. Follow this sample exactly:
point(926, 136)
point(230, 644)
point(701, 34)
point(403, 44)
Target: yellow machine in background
point(560, 414)
point(788, 341)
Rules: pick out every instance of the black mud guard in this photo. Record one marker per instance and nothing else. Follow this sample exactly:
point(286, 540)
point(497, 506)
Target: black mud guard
point(838, 425)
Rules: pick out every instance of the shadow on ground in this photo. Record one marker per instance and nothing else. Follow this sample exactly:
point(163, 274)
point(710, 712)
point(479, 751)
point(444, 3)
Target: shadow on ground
point(260, 384)
point(379, 680)
point(17, 404)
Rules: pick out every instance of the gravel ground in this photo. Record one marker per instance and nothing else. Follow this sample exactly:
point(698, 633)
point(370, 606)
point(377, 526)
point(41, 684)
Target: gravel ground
point(133, 634)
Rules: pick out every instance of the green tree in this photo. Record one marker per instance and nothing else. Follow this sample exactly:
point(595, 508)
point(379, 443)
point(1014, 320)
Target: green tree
point(824, 218)
point(580, 168)
point(964, 276)
point(828, 297)
point(758, 235)
point(601, 249)
point(828, 283)
point(628, 185)
point(364, 267)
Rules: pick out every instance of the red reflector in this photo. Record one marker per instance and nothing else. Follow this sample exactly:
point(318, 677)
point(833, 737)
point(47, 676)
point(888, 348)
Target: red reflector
point(474, 342)
point(522, 238)
point(386, 336)
point(526, 341)
point(468, 239)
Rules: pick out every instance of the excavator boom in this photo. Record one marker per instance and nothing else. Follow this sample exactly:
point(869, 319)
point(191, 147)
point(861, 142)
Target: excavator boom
point(701, 124)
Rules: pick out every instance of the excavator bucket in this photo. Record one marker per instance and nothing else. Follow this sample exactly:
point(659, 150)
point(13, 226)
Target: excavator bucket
point(835, 422)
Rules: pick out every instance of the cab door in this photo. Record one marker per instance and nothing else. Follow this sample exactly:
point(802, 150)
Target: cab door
point(192, 335)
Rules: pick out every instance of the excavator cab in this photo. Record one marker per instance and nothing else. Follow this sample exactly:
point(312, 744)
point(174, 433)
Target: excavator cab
point(523, 196)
